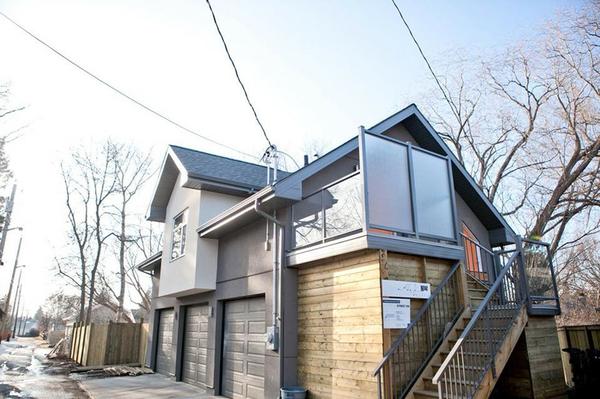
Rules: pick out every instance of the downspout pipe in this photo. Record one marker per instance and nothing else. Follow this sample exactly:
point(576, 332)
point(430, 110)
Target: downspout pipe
point(277, 250)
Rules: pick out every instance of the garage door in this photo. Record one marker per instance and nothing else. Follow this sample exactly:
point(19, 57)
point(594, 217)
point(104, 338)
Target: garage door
point(244, 349)
point(195, 345)
point(164, 350)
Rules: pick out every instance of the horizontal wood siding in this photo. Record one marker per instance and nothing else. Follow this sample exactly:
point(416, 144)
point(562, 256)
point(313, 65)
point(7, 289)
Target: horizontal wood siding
point(339, 326)
point(545, 363)
point(412, 268)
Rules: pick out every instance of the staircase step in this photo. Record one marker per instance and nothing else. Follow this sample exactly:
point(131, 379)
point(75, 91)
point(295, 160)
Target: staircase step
point(430, 386)
point(478, 291)
point(437, 366)
point(421, 393)
point(426, 394)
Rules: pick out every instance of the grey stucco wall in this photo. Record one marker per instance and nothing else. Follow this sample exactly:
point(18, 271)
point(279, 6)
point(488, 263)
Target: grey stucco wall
point(244, 270)
point(467, 216)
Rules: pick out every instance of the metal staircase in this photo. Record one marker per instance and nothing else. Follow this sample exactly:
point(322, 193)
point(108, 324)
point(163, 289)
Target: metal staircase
point(457, 348)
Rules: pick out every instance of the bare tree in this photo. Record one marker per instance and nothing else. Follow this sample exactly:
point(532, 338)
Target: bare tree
point(92, 179)
point(133, 169)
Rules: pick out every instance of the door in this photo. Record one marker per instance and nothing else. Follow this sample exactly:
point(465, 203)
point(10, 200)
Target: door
point(244, 349)
point(164, 343)
point(195, 345)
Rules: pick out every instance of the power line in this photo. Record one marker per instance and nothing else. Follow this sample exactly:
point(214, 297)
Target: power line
point(123, 94)
point(237, 75)
point(426, 60)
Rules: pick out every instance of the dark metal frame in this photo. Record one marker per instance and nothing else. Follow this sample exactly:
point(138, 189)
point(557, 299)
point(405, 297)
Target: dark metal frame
point(411, 178)
point(480, 341)
point(541, 310)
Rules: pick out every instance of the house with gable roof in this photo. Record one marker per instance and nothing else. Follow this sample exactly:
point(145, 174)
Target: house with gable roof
point(379, 270)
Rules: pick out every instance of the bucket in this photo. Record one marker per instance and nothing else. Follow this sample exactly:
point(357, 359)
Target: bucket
point(293, 393)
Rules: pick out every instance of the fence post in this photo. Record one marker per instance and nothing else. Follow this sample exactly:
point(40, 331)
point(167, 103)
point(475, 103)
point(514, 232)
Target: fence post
point(73, 329)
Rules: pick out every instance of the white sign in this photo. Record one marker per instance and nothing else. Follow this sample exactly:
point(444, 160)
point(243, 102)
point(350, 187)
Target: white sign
point(405, 289)
point(396, 313)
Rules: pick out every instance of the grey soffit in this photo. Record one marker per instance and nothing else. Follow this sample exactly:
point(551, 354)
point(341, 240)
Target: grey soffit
point(219, 169)
point(150, 263)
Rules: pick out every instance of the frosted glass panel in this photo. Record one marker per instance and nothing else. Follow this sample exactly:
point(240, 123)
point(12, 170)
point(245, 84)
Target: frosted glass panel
point(432, 193)
point(388, 187)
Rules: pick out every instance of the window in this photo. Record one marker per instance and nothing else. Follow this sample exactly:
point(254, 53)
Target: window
point(179, 234)
point(472, 251)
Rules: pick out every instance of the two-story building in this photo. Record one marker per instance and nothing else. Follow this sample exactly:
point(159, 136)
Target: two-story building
point(378, 270)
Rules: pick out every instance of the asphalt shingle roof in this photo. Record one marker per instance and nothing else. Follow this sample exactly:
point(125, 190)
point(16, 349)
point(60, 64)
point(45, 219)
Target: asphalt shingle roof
point(215, 167)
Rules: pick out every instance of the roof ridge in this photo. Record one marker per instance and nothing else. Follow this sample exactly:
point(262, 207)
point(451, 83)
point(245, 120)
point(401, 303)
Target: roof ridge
point(216, 155)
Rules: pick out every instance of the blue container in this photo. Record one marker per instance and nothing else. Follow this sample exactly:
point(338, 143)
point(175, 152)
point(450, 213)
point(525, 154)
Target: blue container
point(293, 393)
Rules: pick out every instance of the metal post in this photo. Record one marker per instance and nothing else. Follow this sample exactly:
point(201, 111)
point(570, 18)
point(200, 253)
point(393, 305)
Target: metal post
point(9, 207)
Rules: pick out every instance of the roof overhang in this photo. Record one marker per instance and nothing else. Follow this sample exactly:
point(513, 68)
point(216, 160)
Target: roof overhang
point(243, 213)
point(150, 264)
point(170, 170)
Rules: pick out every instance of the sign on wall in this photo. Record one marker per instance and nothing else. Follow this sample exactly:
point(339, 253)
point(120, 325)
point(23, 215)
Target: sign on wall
point(396, 313)
point(405, 289)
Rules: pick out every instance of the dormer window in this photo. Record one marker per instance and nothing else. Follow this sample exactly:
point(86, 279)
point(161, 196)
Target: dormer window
point(179, 234)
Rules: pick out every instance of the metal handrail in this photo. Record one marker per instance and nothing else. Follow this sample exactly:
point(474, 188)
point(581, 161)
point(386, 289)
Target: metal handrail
point(474, 352)
point(437, 312)
point(485, 259)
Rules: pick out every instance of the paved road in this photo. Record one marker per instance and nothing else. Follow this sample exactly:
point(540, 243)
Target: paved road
point(142, 387)
point(25, 373)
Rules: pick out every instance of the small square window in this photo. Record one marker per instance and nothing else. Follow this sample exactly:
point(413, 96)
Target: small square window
point(179, 235)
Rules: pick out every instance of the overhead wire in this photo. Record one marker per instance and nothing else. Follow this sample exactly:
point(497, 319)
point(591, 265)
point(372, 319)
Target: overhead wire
point(437, 81)
point(123, 94)
point(237, 75)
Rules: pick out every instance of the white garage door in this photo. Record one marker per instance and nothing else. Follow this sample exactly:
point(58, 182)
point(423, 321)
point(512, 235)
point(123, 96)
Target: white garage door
point(195, 345)
point(164, 350)
point(244, 349)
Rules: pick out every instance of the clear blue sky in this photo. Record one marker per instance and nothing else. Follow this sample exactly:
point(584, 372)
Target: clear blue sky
point(315, 70)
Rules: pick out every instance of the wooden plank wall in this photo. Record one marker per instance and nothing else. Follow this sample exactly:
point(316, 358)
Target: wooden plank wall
point(545, 363)
point(580, 337)
point(340, 327)
point(96, 351)
point(106, 344)
point(412, 268)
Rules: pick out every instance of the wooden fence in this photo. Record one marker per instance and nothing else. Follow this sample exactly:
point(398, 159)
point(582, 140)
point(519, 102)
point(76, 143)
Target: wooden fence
point(580, 337)
point(97, 344)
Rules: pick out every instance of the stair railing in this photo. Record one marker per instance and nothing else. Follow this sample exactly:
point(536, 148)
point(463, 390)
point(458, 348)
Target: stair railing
point(406, 358)
point(474, 353)
point(480, 261)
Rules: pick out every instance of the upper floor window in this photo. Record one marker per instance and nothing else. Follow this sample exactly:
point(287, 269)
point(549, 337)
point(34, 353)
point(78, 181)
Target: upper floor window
point(179, 234)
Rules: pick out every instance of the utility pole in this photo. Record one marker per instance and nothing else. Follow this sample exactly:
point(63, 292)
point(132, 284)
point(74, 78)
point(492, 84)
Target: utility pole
point(23, 330)
point(16, 303)
point(9, 208)
point(18, 298)
point(12, 278)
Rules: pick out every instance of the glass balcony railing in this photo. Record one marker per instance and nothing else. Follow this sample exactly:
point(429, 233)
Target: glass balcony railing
point(409, 191)
point(333, 211)
point(406, 191)
point(541, 282)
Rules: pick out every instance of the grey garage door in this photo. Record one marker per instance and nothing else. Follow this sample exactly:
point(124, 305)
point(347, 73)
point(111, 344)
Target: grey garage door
point(195, 345)
point(244, 349)
point(164, 350)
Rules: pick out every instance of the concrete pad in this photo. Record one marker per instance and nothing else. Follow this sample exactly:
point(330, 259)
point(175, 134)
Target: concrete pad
point(141, 387)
